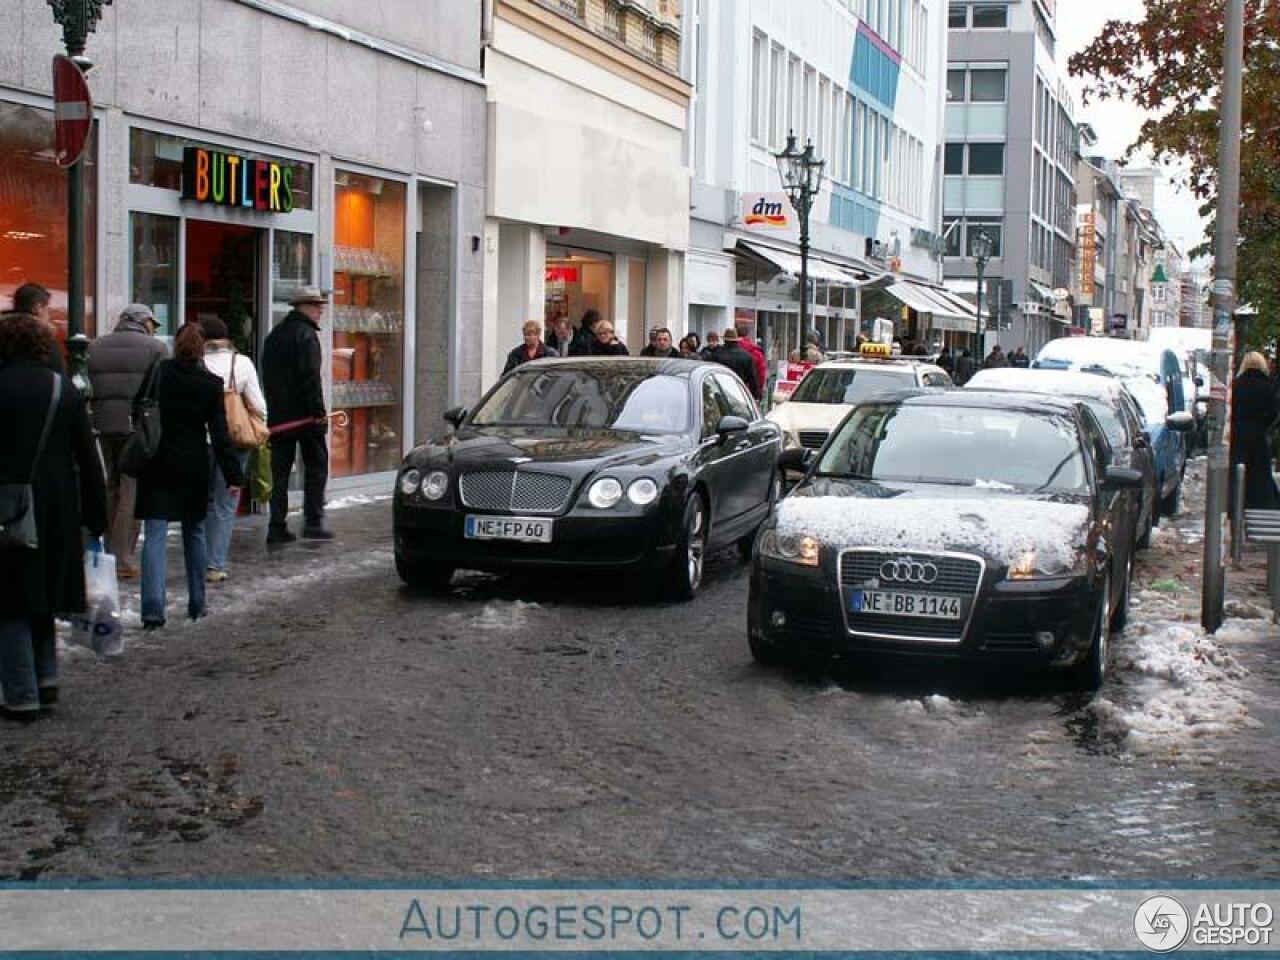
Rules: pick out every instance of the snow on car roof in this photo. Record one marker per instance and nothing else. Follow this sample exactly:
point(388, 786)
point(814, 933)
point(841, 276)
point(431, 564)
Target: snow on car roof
point(998, 526)
point(1094, 386)
point(1125, 357)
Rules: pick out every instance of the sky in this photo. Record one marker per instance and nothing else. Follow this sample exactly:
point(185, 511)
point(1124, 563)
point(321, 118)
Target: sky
point(1117, 122)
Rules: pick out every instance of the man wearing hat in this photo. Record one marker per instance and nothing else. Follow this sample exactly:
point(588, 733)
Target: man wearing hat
point(291, 379)
point(118, 363)
point(733, 356)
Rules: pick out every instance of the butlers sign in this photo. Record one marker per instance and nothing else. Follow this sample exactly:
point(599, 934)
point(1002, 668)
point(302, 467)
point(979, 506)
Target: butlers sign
point(232, 180)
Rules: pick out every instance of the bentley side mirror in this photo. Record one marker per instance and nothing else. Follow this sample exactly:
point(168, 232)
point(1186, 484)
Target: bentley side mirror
point(1180, 421)
point(1122, 478)
point(795, 460)
point(730, 425)
point(455, 416)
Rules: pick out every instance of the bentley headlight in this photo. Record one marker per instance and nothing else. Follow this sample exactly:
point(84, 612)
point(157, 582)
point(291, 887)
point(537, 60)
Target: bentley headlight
point(802, 550)
point(409, 481)
point(642, 492)
point(436, 485)
point(604, 493)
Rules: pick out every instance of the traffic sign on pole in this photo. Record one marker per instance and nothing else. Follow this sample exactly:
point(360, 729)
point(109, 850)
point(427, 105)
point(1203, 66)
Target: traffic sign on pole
point(72, 110)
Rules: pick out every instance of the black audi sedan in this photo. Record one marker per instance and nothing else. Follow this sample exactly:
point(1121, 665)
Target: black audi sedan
point(966, 525)
point(602, 463)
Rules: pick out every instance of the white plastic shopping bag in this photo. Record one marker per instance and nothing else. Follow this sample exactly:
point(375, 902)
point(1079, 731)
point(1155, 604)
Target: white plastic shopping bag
point(100, 627)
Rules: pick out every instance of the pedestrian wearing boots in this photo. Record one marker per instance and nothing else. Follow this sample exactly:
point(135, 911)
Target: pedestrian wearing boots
point(291, 374)
point(1254, 410)
point(118, 363)
point(174, 485)
point(69, 492)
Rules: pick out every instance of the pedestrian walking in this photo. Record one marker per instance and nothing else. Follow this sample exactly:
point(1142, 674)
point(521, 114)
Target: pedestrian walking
point(660, 345)
point(708, 352)
point(238, 376)
point(966, 367)
point(584, 340)
point(174, 485)
point(33, 300)
point(760, 363)
point(737, 359)
point(1254, 410)
point(560, 337)
point(689, 348)
point(606, 343)
point(118, 363)
point(995, 359)
point(531, 349)
point(292, 380)
point(946, 362)
point(48, 445)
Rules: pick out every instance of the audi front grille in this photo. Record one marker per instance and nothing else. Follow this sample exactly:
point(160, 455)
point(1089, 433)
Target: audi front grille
point(515, 491)
point(947, 574)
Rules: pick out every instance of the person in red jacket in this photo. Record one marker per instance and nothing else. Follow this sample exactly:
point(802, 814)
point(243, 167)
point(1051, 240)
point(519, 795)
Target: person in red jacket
point(762, 365)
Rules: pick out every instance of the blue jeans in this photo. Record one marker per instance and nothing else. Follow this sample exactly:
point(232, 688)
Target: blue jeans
point(221, 519)
point(28, 661)
point(154, 534)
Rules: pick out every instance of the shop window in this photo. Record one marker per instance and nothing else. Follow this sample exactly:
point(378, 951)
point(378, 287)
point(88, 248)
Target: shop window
point(33, 212)
point(368, 322)
point(577, 281)
point(155, 160)
point(290, 270)
point(154, 271)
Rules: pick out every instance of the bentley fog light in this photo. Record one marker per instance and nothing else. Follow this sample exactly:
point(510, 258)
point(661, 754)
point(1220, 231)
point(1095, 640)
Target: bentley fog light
point(643, 492)
point(604, 493)
point(434, 487)
point(409, 481)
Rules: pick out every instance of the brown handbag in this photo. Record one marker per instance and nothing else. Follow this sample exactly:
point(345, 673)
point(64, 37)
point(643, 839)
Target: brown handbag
point(248, 432)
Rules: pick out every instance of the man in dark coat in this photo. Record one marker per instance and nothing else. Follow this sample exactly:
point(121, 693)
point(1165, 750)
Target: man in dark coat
point(560, 336)
point(583, 343)
point(738, 360)
point(118, 362)
point(996, 359)
point(965, 368)
point(69, 494)
point(32, 300)
point(291, 379)
point(1254, 409)
point(660, 345)
point(531, 349)
point(713, 344)
point(1019, 359)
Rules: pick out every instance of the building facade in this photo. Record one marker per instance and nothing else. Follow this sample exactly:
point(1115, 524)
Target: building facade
point(863, 82)
point(245, 148)
point(1010, 167)
point(588, 193)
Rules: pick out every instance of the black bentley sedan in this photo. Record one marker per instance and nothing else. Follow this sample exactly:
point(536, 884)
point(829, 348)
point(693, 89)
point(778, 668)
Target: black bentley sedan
point(593, 463)
point(966, 525)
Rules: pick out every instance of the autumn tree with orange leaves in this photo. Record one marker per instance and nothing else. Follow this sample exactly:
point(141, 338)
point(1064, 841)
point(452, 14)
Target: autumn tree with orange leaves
point(1170, 65)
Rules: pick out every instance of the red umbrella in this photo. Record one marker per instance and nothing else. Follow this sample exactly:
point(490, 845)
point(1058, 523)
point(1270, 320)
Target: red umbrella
point(339, 416)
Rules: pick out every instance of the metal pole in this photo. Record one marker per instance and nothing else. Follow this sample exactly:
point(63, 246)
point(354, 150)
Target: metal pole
point(1226, 232)
point(982, 323)
point(804, 268)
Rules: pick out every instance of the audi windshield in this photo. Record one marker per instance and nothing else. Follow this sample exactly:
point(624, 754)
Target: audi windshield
point(600, 398)
point(836, 385)
point(959, 446)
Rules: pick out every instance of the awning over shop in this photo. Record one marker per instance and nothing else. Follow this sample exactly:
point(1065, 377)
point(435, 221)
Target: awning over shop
point(948, 312)
point(819, 269)
point(961, 291)
point(912, 295)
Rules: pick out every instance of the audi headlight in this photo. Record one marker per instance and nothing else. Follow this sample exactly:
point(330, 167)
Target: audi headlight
point(642, 492)
point(409, 481)
point(1031, 565)
point(436, 485)
point(604, 493)
point(802, 550)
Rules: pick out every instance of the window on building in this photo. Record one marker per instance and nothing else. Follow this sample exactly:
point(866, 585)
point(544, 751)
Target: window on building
point(991, 226)
point(993, 16)
point(651, 41)
point(613, 20)
point(824, 99)
point(776, 96)
point(953, 160)
point(845, 142)
point(952, 232)
point(795, 110)
point(956, 17)
point(759, 73)
point(986, 159)
point(986, 86)
point(955, 86)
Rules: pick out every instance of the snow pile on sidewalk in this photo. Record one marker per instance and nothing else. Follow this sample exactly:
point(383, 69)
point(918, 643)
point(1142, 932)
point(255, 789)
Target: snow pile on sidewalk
point(1002, 527)
point(1179, 688)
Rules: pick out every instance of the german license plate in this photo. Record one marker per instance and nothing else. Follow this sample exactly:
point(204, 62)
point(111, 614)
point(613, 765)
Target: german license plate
point(935, 606)
point(523, 529)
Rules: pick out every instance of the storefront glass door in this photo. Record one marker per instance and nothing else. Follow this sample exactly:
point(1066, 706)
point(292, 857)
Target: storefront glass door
point(578, 281)
point(222, 278)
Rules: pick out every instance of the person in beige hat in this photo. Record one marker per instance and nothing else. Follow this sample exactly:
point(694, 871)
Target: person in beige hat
point(292, 380)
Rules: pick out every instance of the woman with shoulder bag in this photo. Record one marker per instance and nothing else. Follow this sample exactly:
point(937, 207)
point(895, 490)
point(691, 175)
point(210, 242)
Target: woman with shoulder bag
point(246, 411)
point(174, 484)
point(50, 473)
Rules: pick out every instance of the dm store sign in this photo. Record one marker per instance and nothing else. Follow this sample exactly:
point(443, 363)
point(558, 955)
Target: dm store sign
point(765, 211)
point(232, 180)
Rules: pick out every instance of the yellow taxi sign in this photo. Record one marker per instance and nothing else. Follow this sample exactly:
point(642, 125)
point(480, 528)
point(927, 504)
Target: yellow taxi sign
point(876, 350)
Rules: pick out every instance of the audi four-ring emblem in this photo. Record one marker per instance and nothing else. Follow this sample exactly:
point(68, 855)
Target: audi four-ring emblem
point(907, 570)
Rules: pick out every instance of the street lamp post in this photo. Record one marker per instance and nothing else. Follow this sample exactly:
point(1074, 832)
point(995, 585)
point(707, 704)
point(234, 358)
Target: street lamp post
point(981, 247)
point(78, 18)
point(801, 174)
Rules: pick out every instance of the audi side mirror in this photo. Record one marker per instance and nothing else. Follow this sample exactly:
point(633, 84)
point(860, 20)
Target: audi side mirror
point(455, 416)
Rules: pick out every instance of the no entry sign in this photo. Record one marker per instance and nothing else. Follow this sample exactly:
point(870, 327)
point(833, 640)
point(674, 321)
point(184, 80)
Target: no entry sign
point(72, 110)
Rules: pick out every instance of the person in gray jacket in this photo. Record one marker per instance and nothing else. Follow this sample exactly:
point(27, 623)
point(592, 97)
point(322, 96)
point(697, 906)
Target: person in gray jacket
point(118, 363)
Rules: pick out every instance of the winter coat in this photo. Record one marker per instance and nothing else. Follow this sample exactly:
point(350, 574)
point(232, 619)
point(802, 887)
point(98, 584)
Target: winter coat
point(671, 353)
point(615, 349)
point(965, 369)
point(1253, 412)
point(175, 484)
point(561, 349)
point(995, 360)
point(291, 371)
point(118, 362)
point(70, 492)
point(521, 355)
point(733, 356)
point(761, 365)
point(218, 360)
point(581, 345)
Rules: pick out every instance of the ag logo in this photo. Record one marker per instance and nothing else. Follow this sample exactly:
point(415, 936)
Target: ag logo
point(1161, 923)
